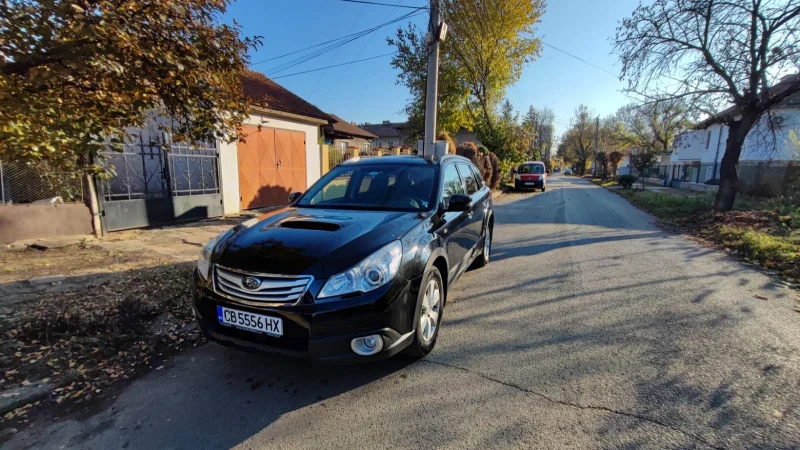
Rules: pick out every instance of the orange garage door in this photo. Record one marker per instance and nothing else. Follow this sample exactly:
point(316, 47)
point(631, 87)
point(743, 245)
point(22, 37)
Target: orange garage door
point(272, 165)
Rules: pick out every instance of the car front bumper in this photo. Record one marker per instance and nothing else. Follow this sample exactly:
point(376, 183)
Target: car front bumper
point(322, 331)
point(528, 184)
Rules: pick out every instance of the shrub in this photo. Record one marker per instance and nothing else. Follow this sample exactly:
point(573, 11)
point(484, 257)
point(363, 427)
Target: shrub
point(470, 151)
point(451, 145)
point(497, 170)
point(626, 181)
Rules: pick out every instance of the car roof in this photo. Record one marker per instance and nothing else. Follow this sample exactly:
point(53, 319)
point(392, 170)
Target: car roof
point(405, 159)
point(532, 162)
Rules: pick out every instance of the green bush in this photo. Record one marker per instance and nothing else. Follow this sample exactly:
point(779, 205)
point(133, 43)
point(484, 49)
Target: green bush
point(626, 181)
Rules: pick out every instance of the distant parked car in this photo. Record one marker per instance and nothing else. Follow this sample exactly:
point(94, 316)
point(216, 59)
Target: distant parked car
point(530, 175)
point(568, 172)
point(557, 169)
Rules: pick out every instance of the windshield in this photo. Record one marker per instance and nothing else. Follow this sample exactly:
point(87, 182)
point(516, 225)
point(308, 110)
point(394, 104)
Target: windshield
point(531, 168)
point(373, 187)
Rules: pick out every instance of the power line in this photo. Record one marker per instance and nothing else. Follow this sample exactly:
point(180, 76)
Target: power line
point(384, 4)
point(329, 45)
point(362, 49)
point(333, 58)
point(580, 59)
point(335, 65)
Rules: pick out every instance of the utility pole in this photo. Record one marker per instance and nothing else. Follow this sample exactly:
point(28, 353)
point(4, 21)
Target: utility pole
point(431, 92)
point(596, 133)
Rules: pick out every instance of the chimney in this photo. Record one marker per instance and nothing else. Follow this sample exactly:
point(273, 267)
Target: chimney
point(353, 123)
point(386, 122)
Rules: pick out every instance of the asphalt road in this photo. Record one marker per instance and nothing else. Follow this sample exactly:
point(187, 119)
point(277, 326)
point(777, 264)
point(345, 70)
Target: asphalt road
point(589, 329)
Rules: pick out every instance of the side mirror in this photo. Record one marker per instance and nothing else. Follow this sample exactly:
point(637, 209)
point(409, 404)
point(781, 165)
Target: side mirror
point(294, 196)
point(459, 202)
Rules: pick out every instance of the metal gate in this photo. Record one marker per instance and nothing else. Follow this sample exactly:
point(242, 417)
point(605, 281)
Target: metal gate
point(150, 185)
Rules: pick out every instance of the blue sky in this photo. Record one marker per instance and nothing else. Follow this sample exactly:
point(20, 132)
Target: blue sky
point(367, 92)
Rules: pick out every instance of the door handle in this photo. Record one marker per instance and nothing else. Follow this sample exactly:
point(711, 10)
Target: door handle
point(279, 164)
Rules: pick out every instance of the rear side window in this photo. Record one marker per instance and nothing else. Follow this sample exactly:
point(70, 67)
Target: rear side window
point(469, 178)
point(477, 176)
point(452, 184)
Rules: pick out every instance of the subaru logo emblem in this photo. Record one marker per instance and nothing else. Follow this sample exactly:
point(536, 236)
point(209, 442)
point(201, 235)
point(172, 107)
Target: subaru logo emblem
point(251, 283)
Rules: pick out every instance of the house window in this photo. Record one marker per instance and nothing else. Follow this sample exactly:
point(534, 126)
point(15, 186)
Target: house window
point(343, 146)
point(708, 139)
point(367, 147)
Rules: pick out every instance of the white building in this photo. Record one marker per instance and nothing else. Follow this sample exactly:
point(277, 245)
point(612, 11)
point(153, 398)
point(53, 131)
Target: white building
point(697, 154)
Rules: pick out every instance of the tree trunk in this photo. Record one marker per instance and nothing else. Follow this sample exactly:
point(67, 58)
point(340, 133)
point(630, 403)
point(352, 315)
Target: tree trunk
point(728, 178)
point(92, 203)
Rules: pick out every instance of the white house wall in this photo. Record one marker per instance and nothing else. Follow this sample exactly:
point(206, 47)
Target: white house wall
point(229, 161)
point(760, 145)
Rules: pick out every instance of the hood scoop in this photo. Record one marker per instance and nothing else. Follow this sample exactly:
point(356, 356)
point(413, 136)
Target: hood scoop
point(310, 225)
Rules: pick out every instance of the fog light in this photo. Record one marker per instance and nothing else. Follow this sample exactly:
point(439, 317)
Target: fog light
point(368, 345)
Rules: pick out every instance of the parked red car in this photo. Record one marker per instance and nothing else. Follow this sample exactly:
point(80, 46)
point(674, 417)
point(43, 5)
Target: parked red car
point(530, 175)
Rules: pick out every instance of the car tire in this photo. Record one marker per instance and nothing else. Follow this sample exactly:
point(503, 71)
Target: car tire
point(483, 259)
point(424, 342)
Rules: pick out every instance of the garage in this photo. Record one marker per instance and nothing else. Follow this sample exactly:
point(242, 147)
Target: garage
point(272, 165)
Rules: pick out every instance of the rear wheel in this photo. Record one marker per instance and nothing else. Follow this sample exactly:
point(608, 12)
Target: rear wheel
point(483, 259)
point(430, 315)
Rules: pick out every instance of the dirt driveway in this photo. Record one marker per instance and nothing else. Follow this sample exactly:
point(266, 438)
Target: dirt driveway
point(76, 322)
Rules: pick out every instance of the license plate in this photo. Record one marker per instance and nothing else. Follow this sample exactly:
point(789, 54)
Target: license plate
point(529, 184)
point(257, 323)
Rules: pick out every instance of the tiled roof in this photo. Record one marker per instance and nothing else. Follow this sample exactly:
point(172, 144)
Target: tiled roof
point(269, 94)
point(383, 130)
point(343, 127)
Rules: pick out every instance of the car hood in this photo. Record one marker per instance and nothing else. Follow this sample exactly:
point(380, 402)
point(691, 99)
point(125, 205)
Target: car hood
point(317, 242)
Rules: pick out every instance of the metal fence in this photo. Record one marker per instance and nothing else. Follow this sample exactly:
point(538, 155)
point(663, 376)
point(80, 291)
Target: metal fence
point(336, 156)
point(29, 181)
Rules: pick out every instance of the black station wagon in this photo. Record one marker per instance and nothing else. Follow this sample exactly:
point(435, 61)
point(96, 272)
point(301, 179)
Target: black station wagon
point(355, 269)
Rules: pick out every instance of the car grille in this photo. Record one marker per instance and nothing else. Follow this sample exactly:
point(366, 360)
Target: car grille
point(272, 289)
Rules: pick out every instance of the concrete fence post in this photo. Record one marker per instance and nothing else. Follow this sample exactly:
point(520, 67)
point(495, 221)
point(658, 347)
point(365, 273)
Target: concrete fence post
point(324, 159)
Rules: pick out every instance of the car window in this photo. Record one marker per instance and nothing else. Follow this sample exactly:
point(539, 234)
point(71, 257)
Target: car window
point(469, 178)
point(393, 187)
point(334, 190)
point(452, 184)
point(477, 175)
point(530, 168)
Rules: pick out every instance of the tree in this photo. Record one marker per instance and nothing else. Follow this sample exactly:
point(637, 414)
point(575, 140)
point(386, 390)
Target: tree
point(484, 53)
point(73, 73)
point(614, 158)
point(578, 141)
point(642, 161)
point(713, 53)
point(652, 126)
point(601, 159)
point(538, 126)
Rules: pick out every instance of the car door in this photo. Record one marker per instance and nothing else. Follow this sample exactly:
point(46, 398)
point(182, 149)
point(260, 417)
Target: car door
point(482, 202)
point(453, 231)
point(474, 221)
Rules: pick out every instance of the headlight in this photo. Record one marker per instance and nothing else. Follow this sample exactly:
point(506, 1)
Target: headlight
point(203, 261)
point(373, 272)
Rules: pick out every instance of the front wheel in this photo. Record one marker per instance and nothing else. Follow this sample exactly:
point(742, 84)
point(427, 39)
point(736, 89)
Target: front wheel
point(430, 314)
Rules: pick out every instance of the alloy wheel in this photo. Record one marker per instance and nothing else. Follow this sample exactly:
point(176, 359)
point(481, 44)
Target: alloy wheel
point(431, 309)
point(487, 244)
